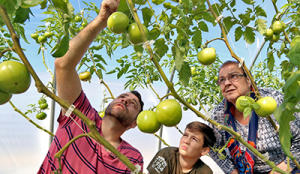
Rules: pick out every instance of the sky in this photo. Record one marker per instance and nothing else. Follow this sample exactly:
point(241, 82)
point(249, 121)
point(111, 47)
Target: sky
point(23, 146)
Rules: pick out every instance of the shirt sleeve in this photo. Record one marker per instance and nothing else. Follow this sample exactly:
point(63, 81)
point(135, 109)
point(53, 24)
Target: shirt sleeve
point(83, 105)
point(225, 164)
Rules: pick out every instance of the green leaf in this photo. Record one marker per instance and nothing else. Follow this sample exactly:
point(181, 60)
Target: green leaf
point(232, 3)
point(294, 54)
point(238, 33)
point(248, 2)
point(160, 47)
point(270, 60)
point(255, 106)
point(260, 12)
point(261, 25)
point(228, 23)
point(22, 14)
point(179, 58)
point(291, 87)
point(61, 47)
point(217, 9)
point(60, 4)
point(21, 31)
point(154, 33)
point(157, 2)
point(147, 14)
point(185, 74)
point(284, 116)
point(245, 18)
point(202, 25)
point(197, 38)
point(249, 35)
point(99, 57)
point(30, 3)
point(208, 17)
point(244, 102)
point(247, 111)
point(123, 7)
point(10, 6)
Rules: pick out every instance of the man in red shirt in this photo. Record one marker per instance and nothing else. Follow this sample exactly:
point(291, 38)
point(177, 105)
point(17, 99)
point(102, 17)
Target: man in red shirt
point(86, 155)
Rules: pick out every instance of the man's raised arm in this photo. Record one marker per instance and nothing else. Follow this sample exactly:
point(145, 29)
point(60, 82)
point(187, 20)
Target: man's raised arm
point(68, 83)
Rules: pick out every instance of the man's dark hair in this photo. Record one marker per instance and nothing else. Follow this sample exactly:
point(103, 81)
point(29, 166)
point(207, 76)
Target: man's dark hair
point(138, 95)
point(208, 133)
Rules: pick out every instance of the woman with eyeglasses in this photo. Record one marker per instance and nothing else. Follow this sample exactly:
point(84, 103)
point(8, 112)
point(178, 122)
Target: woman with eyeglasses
point(255, 130)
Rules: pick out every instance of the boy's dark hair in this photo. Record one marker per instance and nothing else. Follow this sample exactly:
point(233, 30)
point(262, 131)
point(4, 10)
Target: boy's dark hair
point(208, 132)
point(138, 95)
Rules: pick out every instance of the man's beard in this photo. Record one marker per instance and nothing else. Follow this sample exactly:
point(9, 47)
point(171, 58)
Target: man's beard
point(123, 117)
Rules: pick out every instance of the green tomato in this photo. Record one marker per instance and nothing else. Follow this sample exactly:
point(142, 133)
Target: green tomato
point(85, 76)
point(134, 34)
point(207, 56)
point(42, 100)
point(275, 37)
point(34, 35)
point(78, 18)
point(43, 106)
point(118, 22)
point(42, 39)
point(277, 27)
point(169, 112)
point(242, 102)
point(41, 115)
point(269, 33)
point(14, 77)
point(48, 34)
point(193, 71)
point(147, 122)
point(267, 106)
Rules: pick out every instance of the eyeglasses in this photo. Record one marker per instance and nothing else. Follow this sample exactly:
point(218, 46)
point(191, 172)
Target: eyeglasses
point(234, 77)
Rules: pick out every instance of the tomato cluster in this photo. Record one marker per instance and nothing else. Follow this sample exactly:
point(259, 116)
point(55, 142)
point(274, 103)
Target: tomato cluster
point(168, 113)
point(263, 107)
point(118, 22)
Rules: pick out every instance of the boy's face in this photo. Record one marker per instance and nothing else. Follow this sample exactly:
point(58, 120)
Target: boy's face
point(191, 144)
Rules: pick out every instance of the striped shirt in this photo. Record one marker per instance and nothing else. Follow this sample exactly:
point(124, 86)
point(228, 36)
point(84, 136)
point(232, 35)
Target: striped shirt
point(85, 156)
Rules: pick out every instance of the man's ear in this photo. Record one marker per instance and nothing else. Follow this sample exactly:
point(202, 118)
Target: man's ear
point(205, 151)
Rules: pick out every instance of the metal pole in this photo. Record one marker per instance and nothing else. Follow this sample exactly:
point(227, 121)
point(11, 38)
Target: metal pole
point(52, 109)
point(258, 52)
point(161, 129)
